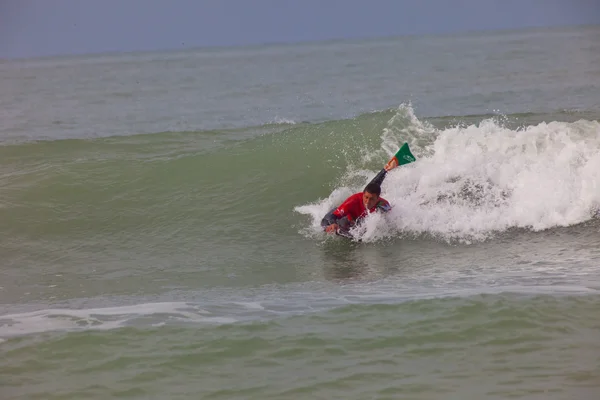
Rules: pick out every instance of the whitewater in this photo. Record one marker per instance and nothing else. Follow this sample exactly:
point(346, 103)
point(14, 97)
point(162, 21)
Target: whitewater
point(472, 181)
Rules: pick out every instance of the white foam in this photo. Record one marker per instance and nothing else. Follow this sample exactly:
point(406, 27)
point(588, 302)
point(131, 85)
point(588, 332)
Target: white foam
point(469, 182)
point(103, 318)
point(283, 121)
point(293, 299)
point(250, 305)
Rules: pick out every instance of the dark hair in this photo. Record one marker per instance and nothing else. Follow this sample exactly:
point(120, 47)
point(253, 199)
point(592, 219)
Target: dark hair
point(373, 188)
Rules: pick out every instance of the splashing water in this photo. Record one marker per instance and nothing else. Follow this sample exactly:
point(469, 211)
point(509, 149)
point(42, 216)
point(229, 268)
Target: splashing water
point(471, 181)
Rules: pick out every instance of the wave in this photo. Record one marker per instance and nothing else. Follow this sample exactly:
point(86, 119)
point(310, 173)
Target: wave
point(275, 305)
point(472, 179)
point(279, 124)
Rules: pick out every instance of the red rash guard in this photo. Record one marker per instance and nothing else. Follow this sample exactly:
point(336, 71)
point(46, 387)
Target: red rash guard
point(354, 208)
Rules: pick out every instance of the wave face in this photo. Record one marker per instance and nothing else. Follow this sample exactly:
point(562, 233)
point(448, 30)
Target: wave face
point(471, 180)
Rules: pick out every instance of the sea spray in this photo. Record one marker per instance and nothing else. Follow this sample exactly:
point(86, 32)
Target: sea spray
point(472, 181)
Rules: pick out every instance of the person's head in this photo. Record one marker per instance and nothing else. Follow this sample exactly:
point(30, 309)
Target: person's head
point(371, 195)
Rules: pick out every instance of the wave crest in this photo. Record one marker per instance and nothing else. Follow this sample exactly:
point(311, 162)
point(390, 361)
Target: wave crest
point(471, 181)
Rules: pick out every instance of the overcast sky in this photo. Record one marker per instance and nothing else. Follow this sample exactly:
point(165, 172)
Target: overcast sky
point(49, 27)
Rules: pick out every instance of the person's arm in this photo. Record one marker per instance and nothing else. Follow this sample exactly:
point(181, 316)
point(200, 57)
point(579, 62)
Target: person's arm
point(332, 222)
point(339, 217)
point(329, 219)
point(343, 223)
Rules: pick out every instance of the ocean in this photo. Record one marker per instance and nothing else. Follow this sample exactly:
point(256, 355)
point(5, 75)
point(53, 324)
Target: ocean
point(159, 221)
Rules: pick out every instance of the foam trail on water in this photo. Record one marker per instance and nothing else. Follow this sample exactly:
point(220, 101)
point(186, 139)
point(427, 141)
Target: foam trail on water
point(244, 307)
point(471, 181)
point(104, 318)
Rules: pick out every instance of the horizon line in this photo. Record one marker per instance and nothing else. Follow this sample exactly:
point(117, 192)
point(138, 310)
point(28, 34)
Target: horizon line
point(295, 43)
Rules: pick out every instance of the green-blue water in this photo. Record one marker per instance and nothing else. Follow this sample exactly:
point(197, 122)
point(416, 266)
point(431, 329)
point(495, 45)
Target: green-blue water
point(160, 238)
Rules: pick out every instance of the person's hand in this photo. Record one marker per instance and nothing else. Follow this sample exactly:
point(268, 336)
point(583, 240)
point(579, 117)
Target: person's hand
point(332, 228)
